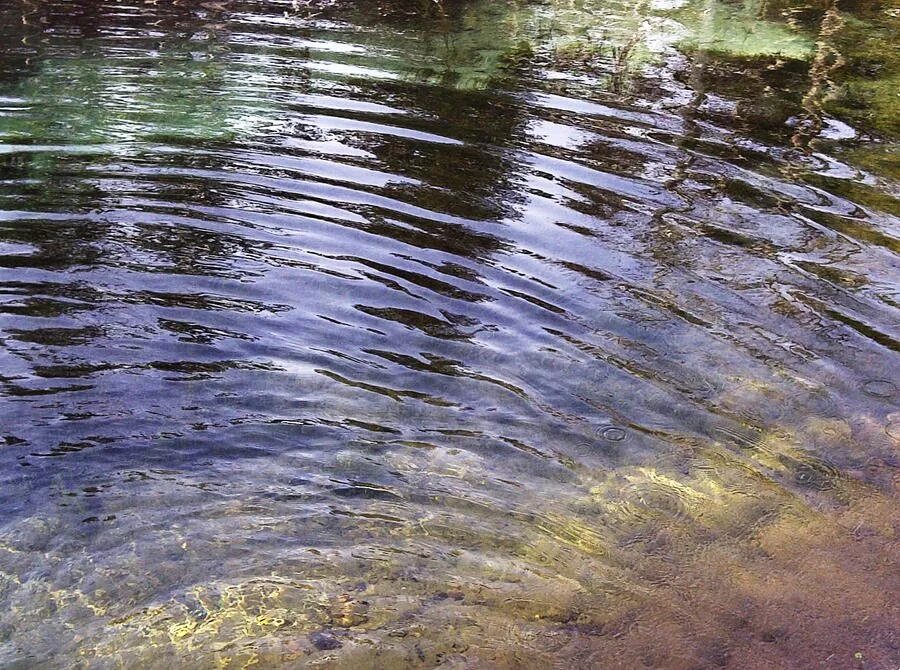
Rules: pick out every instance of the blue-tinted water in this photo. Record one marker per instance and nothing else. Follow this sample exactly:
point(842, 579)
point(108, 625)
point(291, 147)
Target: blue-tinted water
point(448, 334)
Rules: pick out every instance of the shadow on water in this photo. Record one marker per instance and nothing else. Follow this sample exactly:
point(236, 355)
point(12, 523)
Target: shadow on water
point(448, 334)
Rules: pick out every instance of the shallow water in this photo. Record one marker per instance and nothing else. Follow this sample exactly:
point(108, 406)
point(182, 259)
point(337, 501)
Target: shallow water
point(463, 335)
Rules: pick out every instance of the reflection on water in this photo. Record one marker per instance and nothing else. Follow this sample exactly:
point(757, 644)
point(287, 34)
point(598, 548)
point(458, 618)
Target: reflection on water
point(458, 334)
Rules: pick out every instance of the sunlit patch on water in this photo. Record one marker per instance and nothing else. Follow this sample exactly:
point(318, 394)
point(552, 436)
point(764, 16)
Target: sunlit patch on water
point(465, 334)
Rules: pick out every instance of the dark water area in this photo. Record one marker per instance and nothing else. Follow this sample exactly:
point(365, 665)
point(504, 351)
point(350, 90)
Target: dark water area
point(476, 334)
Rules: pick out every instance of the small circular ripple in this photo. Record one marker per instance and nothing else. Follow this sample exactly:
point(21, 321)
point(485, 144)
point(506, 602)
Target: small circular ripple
point(880, 388)
point(893, 430)
point(612, 433)
point(814, 473)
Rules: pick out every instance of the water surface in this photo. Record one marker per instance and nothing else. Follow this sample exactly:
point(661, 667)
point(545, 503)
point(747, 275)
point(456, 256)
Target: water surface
point(475, 334)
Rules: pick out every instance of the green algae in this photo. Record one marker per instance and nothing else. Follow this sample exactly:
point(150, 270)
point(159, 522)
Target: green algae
point(479, 44)
point(739, 30)
point(193, 100)
point(868, 81)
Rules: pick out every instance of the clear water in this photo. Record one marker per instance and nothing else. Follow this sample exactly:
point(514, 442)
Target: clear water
point(487, 334)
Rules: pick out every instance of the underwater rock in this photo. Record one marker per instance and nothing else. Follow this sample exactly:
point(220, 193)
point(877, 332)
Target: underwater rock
point(324, 640)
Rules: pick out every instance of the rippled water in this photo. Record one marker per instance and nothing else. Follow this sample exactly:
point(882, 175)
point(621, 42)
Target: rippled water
point(487, 334)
